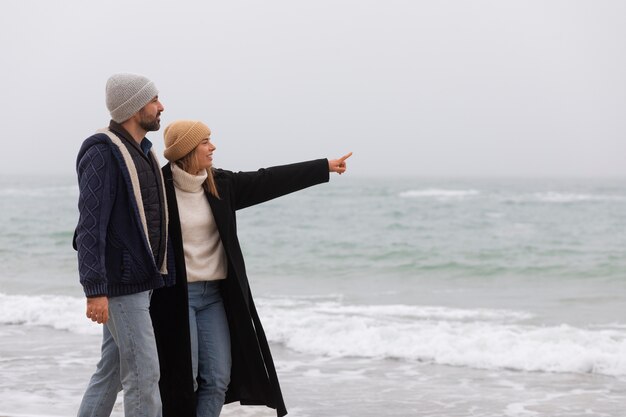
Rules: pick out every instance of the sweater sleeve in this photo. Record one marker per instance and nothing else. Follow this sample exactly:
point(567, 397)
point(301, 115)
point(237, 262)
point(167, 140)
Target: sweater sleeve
point(94, 206)
point(256, 187)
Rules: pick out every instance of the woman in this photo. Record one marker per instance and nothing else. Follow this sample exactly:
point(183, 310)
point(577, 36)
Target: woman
point(212, 347)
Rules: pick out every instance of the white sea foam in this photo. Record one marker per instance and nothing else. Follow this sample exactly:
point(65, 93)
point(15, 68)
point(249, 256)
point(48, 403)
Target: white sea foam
point(7, 414)
point(439, 194)
point(442, 194)
point(52, 191)
point(423, 312)
point(563, 197)
point(480, 339)
point(58, 312)
point(477, 338)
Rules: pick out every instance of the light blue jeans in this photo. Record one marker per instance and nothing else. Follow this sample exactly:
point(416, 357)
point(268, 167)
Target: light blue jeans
point(129, 362)
point(210, 346)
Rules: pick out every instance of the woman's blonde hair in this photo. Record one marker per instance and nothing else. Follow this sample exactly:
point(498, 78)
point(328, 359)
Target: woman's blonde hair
point(189, 163)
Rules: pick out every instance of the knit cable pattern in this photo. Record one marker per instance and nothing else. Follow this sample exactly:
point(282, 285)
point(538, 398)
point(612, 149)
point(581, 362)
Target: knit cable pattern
point(91, 173)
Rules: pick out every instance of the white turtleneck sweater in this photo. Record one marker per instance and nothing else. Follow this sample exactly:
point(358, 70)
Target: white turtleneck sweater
point(204, 253)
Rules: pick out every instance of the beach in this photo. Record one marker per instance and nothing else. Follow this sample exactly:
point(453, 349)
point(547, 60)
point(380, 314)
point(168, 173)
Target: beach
point(394, 297)
point(318, 386)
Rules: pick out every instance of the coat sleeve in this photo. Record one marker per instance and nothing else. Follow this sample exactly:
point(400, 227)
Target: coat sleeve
point(250, 188)
point(94, 206)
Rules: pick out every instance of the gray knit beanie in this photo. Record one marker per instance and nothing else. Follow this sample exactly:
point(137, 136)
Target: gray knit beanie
point(127, 94)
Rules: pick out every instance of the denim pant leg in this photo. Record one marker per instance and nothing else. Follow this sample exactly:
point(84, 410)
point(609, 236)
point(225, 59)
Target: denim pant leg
point(104, 385)
point(131, 327)
point(210, 346)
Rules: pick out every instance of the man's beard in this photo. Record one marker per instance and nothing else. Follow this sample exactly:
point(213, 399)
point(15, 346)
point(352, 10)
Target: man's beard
point(149, 124)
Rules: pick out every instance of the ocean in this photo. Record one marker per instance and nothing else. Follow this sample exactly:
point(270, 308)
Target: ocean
point(380, 297)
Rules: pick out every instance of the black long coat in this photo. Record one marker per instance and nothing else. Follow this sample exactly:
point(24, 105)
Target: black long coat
point(253, 376)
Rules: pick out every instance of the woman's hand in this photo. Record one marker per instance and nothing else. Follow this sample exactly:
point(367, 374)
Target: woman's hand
point(338, 165)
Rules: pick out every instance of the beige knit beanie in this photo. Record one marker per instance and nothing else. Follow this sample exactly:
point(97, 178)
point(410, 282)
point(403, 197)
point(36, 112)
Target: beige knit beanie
point(182, 137)
point(127, 93)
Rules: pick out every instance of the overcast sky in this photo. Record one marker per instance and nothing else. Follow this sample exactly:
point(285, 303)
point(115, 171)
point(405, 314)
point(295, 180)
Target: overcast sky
point(424, 88)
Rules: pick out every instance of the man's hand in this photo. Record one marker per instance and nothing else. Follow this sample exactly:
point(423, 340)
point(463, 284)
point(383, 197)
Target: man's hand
point(98, 309)
point(339, 165)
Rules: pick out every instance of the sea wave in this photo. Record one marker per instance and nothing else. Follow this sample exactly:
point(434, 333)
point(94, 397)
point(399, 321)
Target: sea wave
point(56, 311)
point(37, 192)
point(439, 193)
point(563, 197)
point(475, 338)
point(485, 339)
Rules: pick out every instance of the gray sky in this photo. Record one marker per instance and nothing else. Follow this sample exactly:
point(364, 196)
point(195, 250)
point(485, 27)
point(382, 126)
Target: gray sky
point(428, 88)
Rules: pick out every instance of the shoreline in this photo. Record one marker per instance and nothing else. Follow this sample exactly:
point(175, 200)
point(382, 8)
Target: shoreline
point(51, 369)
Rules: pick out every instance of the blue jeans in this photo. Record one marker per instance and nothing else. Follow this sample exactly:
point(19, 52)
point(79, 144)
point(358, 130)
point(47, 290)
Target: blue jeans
point(210, 346)
point(129, 362)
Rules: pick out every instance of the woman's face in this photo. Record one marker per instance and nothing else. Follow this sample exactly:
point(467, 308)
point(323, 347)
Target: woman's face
point(204, 154)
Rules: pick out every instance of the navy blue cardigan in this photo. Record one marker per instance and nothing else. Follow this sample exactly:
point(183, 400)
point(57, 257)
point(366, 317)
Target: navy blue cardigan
point(114, 255)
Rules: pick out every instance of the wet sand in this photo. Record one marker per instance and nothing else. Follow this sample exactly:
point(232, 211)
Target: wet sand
point(44, 372)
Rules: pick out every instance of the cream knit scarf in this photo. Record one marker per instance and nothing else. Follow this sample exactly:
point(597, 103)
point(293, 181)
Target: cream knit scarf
point(134, 179)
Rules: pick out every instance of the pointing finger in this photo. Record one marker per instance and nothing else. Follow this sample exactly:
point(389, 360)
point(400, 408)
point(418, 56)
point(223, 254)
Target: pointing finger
point(343, 158)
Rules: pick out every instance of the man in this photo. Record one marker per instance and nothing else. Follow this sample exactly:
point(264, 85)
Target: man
point(121, 239)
